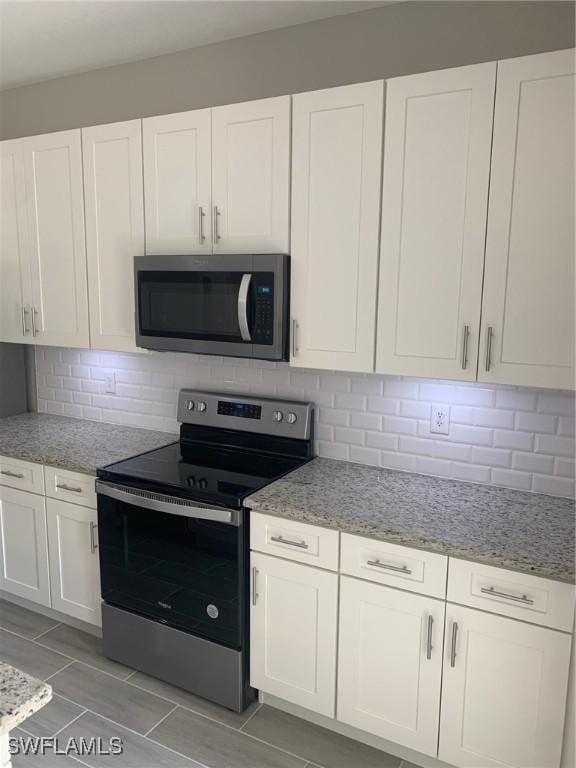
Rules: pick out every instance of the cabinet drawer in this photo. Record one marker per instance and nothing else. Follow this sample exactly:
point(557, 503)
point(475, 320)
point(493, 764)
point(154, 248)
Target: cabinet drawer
point(70, 486)
point(518, 595)
point(24, 475)
point(397, 566)
point(294, 541)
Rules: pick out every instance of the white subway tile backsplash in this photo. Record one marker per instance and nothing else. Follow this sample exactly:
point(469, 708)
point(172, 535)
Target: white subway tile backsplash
point(520, 438)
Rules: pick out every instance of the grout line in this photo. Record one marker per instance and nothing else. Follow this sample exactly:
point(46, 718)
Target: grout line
point(175, 707)
point(33, 639)
point(131, 675)
point(83, 712)
point(256, 710)
point(85, 663)
point(72, 661)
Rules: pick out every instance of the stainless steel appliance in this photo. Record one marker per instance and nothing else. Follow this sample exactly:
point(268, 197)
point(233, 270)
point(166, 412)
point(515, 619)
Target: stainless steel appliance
point(216, 305)
point(174, 541)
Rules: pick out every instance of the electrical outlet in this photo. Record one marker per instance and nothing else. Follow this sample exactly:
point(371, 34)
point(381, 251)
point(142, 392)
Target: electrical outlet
point(110, 383)
point(440, 419)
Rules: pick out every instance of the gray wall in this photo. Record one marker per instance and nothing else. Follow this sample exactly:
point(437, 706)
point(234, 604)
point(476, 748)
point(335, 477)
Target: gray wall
point(394, 40)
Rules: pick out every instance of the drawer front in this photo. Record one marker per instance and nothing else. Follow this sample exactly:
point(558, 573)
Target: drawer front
point(23, 475)
point(294, 541)
point(70, 486)
point(394, 565)
point(518, 595)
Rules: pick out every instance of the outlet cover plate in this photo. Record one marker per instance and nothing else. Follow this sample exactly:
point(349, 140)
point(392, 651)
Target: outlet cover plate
point(440, 419)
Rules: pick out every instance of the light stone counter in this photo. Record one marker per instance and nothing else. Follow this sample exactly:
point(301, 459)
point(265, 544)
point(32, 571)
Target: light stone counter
point(20, 697)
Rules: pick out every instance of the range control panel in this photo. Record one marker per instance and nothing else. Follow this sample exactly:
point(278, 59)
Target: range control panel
point(284, 418)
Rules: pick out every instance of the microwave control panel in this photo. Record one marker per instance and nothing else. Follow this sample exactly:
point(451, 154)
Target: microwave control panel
point(263, 308)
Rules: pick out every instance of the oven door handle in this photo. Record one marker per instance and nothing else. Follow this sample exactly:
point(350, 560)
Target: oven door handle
point(172, 505)
point(243, 307)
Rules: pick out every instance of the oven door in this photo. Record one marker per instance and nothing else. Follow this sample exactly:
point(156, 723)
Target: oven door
point(221, 305)
point(178, 564)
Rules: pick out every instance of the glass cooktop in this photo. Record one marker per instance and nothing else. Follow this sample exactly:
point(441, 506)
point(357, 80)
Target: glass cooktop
point(209, 473)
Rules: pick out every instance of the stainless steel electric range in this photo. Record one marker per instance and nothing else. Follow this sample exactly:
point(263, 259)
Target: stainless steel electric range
point(174, 541)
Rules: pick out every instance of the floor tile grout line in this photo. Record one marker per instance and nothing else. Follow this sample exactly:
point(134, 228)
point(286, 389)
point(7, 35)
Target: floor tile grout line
point(33, 736)
point(256, 710)
point(174, 708)
point(70, 723)
point(85, 663)
point(33, 639)
point(72, 661)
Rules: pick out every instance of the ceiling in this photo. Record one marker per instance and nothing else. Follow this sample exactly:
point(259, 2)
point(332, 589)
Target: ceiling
point(44, 39)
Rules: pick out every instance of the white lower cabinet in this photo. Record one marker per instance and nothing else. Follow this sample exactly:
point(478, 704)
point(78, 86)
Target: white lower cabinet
point(390, 663)
point(74, 567)
point(23, 545)
point(503, 692)
point(293, 632)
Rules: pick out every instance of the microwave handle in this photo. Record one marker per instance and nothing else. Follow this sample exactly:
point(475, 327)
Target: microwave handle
point(243, 307)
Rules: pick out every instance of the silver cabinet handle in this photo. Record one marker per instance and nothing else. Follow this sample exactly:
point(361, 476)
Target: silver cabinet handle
point(282, 540)
point(201, 235)
point(465, 336)
point(254, 588)
point(64, 487)
point(216, 218)
point(453, 645)
point(243, 307)
point(489, 334)
point(35, 327)
point(93, 545)
point(491, 591)
point(294, 338)
point(8, 473)
point(398, 568)
point(25, 325)
point(429, 645)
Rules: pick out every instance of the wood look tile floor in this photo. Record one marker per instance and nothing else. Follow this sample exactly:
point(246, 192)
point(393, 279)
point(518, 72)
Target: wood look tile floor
point(160, 726)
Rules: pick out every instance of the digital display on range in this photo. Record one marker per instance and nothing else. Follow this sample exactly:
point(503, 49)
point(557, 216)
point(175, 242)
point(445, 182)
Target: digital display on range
point(243, 410)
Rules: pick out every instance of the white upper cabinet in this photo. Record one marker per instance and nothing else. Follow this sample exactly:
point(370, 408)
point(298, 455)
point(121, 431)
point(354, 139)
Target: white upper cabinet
point(336, 174)
point(434, 201)
point(15, 286)
point(503, 692)
point(55, 207)
point(178, 187)
point(114, 229)
point(528, 301)
point(251, 176)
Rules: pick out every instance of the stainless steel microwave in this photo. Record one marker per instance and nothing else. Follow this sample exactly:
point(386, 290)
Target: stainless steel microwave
point(234, 305)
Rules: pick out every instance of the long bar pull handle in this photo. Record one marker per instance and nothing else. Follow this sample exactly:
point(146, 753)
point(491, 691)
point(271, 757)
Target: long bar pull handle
point(398, 568)
point(465, 336)
point(25, 325)
point(491, 591)
point(65, 487)
point(489, 335)
point(216, 221)
point(8, 473)
point(254, 586)
point(93, 544)
point(429, 645)
point(201, 235)
point(294, 338)
point(35, 327)
point(282, 540)
point(453, 645)
point(243, 307)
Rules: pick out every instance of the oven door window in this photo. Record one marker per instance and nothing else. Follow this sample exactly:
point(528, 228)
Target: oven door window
point(190, 305)
point(181, 571)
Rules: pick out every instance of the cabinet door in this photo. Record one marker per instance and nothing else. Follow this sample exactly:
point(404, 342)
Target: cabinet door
point(23, 545)
point(503, 692)
point(55, 206)
point(293, 632)
point(251, 176)
point(114, 229)
point(336, 172)
point(434, 202)
point(177, 183)
point(390, 663)
point(15, 318)
point(74, 568)
point(528, 300)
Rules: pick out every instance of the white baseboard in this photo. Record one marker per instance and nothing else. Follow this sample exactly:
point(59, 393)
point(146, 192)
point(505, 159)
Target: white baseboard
point(417, 758)
point(91, 629)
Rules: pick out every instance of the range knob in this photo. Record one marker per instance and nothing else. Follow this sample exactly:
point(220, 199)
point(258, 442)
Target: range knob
point(201, 406)
point(190, 405)
point(277, 416)
point(291, 418)
point(202, 483)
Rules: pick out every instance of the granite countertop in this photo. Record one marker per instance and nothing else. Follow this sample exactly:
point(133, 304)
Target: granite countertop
point(21, 695)
point(75, 444)
point(527, 532)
